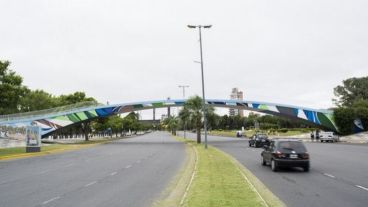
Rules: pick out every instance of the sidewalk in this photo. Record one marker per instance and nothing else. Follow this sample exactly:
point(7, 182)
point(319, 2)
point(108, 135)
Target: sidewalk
point(361, 138)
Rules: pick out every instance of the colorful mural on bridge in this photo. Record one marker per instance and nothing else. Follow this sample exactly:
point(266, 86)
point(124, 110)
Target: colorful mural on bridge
point(52, 122)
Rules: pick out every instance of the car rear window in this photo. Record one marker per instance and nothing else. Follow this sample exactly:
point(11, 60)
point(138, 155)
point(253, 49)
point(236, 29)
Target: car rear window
point(288, 146)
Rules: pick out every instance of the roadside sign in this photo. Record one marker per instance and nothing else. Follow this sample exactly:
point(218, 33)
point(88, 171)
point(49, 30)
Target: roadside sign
point(33, 139)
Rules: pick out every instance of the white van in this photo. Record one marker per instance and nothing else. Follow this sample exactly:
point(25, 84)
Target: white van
point(328, 137)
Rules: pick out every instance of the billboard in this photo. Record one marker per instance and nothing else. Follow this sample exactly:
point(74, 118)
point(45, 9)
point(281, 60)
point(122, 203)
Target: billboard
point(33, 136)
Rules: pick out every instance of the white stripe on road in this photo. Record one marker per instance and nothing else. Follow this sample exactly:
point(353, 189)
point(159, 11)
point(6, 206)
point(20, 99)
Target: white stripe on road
point(91, 183)
point(114, 173)
point(361, 187)
point(52, 199)
point(129, 166)
point(45, 171)
point(328, 175)
point(68, 165)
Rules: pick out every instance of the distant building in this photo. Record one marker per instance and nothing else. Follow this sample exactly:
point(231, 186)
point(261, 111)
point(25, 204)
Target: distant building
point(236, 95)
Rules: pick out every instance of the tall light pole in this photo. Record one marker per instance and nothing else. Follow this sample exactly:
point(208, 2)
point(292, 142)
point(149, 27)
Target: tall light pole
point(185, 122)
point(203, 94)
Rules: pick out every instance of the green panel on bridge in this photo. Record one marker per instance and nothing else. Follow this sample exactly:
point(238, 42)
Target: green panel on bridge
point(158, 104)
point(138, 106)
point(73, 118)
point(263, 107)
point(325, 121)
point(82, 115)
point(91, 114)
point(63, 118)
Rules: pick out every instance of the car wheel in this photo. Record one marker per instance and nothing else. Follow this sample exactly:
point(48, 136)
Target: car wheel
point(250, 145)
point(274, 165)
point(306, 169)
point(263, 161)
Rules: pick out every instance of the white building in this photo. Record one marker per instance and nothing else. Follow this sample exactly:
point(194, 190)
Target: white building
point(236, 95)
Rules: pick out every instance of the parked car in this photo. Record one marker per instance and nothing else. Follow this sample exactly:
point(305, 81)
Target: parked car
point(286, 153)
point(328, 137)
point(259, 140)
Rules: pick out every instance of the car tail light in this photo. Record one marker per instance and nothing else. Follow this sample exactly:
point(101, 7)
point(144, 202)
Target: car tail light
point(305, 156)
point(278, 154)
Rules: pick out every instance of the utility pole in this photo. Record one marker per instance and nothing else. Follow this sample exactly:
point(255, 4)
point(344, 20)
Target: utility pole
point(168, 109)
point(185, 122)
point(203, 94)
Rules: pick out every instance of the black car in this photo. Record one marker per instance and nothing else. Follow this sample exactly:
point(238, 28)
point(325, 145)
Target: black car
point(259, 140)
point(286, 153)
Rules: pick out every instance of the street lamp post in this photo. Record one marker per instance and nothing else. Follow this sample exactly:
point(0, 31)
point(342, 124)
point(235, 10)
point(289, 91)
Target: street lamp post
point(203, 94)
point(185, 122)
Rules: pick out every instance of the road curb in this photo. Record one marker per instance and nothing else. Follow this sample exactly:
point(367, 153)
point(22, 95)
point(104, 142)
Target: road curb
point(77, 146)
point(38, 154)
point(176, 191)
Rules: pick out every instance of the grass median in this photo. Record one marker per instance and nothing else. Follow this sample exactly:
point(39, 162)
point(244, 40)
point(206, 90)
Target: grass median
point(218, 180)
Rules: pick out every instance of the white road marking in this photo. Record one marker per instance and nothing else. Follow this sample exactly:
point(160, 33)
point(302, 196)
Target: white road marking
point(361, 187)
point(113, 173)
point(68, 165)
point(91, 183)
point(52, 199)
point(328, 175)
point(45, 171)
point(129, 166)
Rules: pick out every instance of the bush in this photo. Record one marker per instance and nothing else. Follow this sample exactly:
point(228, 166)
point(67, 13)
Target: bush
point(344, 118)
point(283, 130)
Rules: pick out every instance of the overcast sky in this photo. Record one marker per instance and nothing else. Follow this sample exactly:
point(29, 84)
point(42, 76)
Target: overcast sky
point(290, 51)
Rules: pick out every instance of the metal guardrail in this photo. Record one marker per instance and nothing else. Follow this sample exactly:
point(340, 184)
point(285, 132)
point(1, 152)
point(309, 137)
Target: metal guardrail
point(33, 114)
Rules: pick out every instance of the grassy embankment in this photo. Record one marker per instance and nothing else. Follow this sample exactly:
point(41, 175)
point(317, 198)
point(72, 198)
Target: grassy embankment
point(18, 152)
point(217, 179)
point(248, 133)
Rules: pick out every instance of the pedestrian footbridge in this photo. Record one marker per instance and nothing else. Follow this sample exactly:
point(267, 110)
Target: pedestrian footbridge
point(54, 119)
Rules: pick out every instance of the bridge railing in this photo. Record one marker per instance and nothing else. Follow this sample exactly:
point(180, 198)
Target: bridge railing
point(56, 110)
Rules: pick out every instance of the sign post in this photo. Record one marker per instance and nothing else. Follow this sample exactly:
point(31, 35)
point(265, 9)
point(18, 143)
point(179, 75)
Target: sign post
point(33, 139)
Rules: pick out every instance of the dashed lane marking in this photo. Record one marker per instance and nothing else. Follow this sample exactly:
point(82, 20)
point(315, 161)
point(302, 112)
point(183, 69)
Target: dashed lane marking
point(68, 165)
point(129, 166)
point(51, 200)
point(328, 175)
point(91, 183)
point(361, 187)
point(113, 173)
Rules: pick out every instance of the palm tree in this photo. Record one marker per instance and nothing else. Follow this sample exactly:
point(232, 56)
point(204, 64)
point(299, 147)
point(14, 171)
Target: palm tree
point(192, 112)
point(173, 124)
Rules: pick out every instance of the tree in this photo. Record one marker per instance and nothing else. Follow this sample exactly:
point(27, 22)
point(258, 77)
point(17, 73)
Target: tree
point(193, 107)
point(172, 124)
point(11, 89)
point(73, 98)
point(352, 104)
point(193, 113)
point(345, 116)
point(353, 89)
point(115, 123)
point(130, 122)
point(37, 100)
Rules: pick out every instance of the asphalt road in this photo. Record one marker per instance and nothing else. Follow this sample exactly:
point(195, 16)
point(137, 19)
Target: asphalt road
point(338, 174)
point(129, 172)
